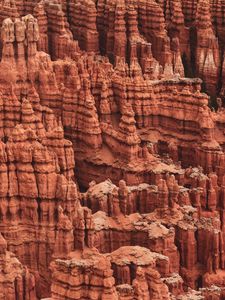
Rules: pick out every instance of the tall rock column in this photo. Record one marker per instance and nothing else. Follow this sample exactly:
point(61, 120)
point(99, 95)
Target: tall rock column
point(207, 58)
point(8, 38)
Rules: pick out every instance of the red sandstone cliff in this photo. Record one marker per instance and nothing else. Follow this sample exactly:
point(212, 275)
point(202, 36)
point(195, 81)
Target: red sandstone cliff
point(112, 164)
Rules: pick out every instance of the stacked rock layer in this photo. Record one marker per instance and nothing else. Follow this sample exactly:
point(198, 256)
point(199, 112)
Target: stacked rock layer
point(112, 150)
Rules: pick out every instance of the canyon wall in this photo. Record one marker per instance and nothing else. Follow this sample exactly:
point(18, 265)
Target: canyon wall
point(112, 151)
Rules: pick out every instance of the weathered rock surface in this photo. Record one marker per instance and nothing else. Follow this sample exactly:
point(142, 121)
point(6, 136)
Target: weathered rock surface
point(16, 282)
point(112, 163)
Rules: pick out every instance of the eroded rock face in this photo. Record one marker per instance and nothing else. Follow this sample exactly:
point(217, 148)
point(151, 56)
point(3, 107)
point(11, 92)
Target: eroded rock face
point(112, 164)
point(16, 280)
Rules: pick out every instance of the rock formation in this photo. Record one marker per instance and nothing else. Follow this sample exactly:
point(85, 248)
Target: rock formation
point(112, 151)
point(16, 280)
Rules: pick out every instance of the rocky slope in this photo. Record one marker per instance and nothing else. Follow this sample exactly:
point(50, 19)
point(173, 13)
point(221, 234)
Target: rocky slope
point(112, 163)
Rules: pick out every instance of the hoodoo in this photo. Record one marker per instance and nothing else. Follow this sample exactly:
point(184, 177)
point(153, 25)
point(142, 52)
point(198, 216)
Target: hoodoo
point(112, 150)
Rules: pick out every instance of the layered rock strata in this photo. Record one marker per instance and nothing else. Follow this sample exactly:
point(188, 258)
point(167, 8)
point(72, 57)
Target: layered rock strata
point(112, 164)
